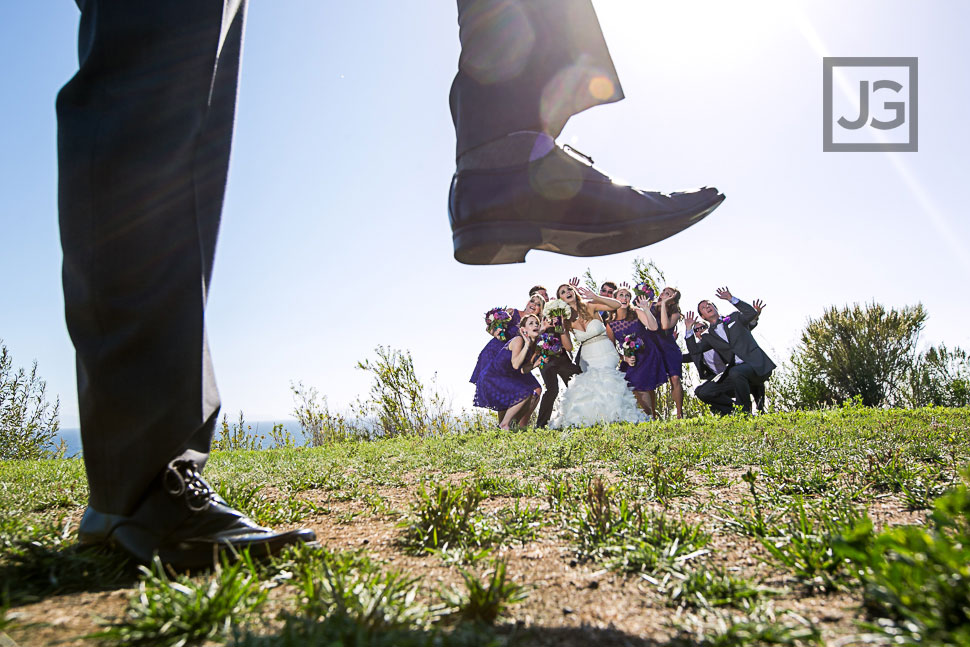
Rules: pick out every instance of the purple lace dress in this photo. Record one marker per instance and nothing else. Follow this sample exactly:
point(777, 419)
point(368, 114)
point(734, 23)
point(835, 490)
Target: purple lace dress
point(493, 347)
point(648, 371)
point(669, 350)
point(501, 385)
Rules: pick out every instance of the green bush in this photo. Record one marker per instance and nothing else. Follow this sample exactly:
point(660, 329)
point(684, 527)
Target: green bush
point(28, 422)
point(853, 351)
point(940, 377)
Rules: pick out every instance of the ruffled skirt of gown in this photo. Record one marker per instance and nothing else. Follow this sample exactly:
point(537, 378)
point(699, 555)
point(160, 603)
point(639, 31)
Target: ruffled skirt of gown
point(600, 394)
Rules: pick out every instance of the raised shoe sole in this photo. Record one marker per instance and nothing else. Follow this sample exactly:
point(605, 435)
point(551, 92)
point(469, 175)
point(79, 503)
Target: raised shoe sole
point(497, 242)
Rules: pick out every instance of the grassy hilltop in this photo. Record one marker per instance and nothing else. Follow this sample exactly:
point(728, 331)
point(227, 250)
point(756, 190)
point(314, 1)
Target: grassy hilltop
point(847, 526)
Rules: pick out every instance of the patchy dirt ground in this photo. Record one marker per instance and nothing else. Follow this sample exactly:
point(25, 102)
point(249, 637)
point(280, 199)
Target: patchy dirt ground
point(571, 602)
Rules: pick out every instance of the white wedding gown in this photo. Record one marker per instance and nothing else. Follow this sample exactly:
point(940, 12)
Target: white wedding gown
point(600, 394)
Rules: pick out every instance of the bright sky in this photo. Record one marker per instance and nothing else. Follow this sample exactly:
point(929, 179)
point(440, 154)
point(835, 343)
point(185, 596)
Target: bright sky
point(335, 232)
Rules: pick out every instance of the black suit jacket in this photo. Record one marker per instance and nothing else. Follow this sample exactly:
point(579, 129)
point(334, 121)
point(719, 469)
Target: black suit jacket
point(740, 341)
point(703, 370)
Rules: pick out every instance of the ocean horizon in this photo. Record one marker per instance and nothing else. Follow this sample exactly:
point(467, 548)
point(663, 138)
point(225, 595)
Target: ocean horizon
point(72, 435)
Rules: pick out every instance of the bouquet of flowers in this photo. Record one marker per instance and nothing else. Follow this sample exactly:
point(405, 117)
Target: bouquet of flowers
point(631, 344)
point(548, 344)
point(556, 310)
point(498, 319)
point(644, 290)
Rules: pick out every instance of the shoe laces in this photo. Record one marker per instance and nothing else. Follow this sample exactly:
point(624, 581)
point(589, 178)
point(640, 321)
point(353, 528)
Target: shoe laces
point(583, 155)
point(183, 479)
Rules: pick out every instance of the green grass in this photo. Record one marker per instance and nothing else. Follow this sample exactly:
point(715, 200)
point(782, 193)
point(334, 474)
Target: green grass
point(484, 600)
point(916, 579)
point(758, 625)
point(446, 515)
point(177, 610)
point(487, 514)
point(41, 558)
point(607, 527)
point(708, 587)
point(806, 542)
point(248, 498)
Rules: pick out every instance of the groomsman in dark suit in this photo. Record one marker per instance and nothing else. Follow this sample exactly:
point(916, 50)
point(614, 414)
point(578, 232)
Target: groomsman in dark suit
point(747, 367)
point(556, 368)
point(717, 392)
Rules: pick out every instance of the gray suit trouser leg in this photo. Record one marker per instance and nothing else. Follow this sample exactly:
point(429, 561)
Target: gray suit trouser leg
point(144, 132)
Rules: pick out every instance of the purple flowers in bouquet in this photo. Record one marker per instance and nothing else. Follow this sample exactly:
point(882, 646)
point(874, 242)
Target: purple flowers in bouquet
point(631, 344)
point(644, 289)
point(548, 344)
point(498, 320)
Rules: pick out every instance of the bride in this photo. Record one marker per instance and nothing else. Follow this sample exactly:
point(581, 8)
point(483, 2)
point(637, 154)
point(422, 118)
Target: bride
point(600, 393)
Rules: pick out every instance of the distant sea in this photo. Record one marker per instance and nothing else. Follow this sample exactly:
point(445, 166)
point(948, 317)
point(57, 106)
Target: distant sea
point(72, 436)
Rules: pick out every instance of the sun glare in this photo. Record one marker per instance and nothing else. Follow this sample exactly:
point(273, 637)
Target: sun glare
point(686, 34)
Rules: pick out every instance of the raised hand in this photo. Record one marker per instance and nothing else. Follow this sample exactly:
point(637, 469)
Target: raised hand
point(689, 319)
point(758, 305)
point(574, 281)
point(643, 303)
point(626, 285)
point(724, 293)
point(585, 292)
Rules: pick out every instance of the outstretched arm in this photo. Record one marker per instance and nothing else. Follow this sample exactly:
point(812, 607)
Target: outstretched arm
point(748, 313)
point(694, 345)
point(644, 315)
point(602, 303)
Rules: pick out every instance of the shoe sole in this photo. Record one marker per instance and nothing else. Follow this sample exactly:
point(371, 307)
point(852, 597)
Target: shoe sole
point(195, 555)
point(498, 242)
point(206, 555)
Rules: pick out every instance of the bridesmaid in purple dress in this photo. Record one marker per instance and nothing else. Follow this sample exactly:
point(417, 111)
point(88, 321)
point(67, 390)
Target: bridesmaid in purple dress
point(667, 313)
point(494, 345)
point(644, 371)
point(507, 385)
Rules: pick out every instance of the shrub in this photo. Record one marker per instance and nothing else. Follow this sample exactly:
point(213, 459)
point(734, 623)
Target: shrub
point(858, 351)
point(940, 377)
point(28, 422)
point(320, 427)
point(397, 396)
point(236, 436)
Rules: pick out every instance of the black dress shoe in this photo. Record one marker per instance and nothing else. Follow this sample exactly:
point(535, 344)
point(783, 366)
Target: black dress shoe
point(185, 523)
point(560, 203)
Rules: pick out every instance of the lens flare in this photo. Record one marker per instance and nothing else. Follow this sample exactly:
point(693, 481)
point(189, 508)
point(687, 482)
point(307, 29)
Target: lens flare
point(572, 90)
point(497, 39)
point(601, 88)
